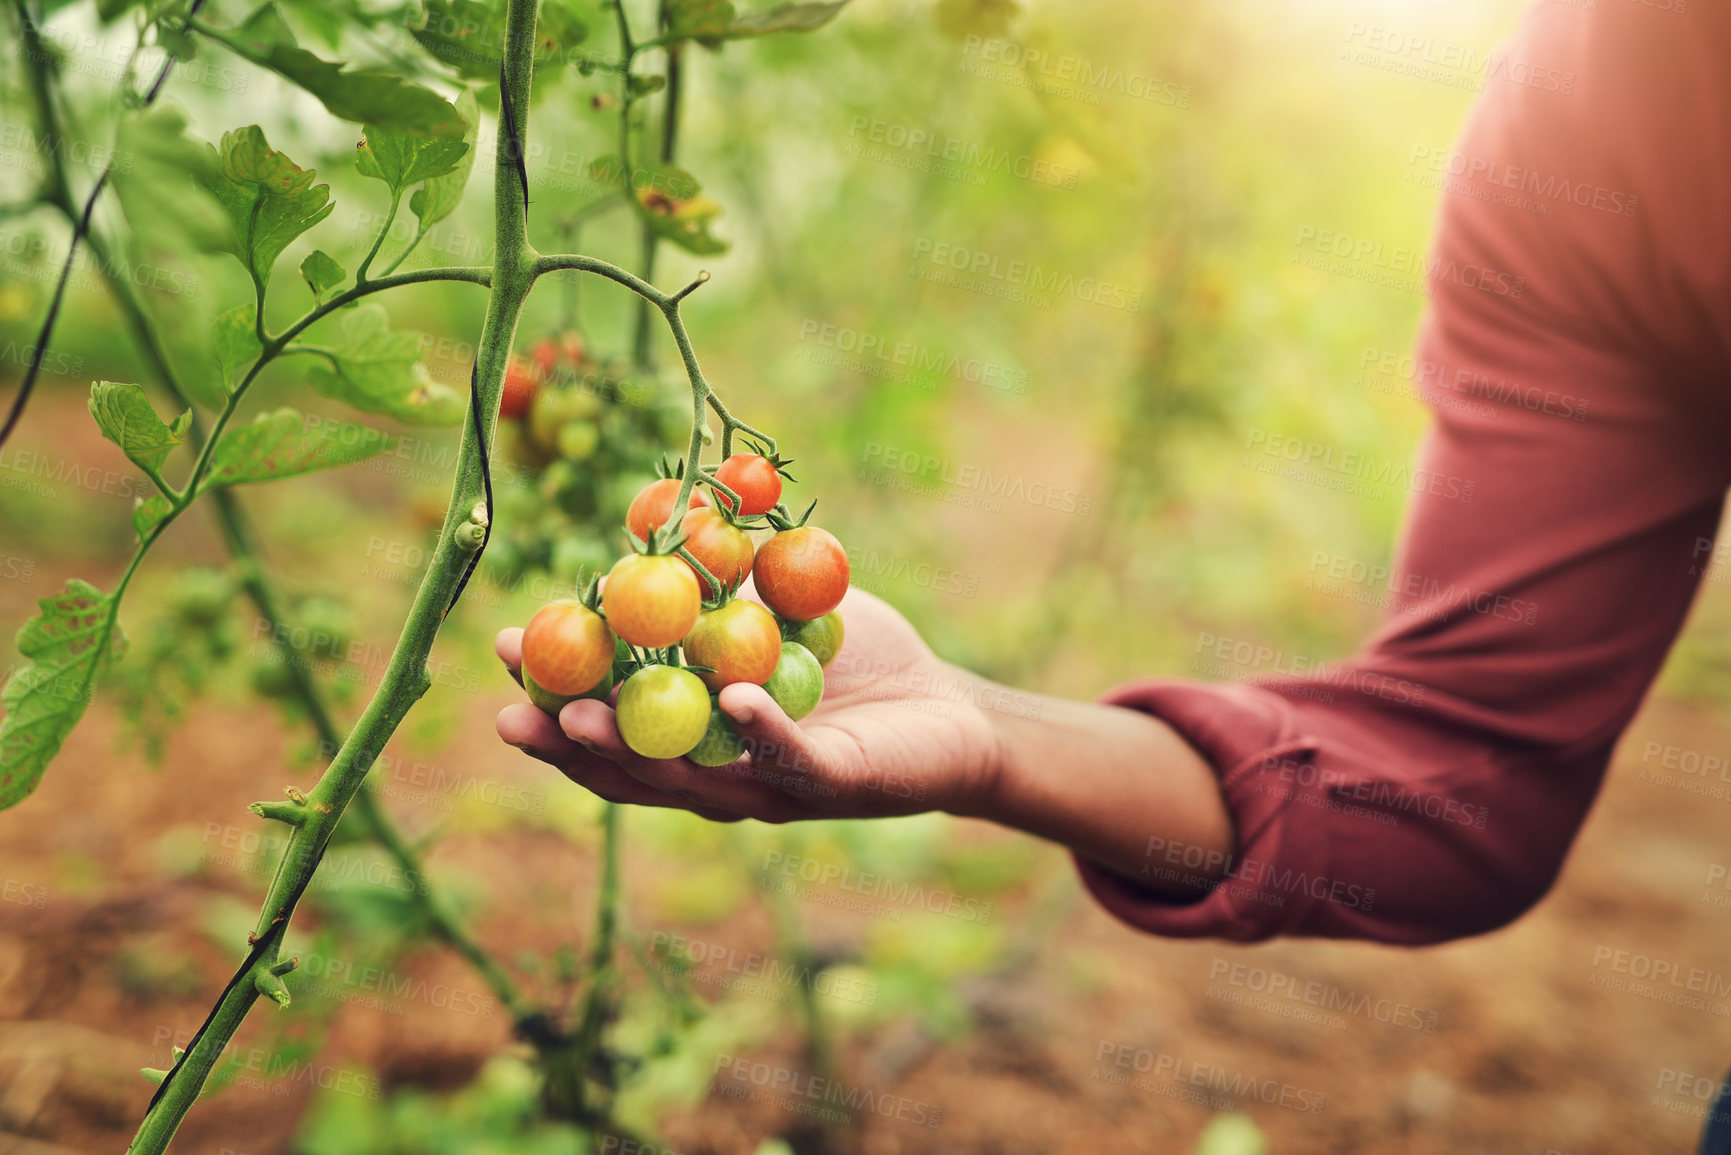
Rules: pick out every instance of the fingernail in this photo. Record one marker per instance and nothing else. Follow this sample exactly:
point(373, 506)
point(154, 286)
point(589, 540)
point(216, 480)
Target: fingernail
point(742, 714)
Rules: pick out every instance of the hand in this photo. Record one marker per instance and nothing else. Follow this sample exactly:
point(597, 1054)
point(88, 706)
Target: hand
point(898, 732)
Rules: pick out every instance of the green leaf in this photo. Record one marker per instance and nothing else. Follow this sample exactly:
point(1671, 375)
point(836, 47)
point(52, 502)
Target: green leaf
point(401, 160)
point(237, 342)
point(286, 444)
point(268, 198)
point(322, 274)
point(379, 371)
point(784, 18)
point(712, 21)
point(465, 34)
point(70, 644)
point(668, 201)
point(163, 187)
point(125, 416)
point(149, 512)
point(698, 19)
point(558, 30)
point(439, 197)
point(369, 96)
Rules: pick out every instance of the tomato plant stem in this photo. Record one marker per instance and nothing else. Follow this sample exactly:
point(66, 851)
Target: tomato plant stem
point(406, 678)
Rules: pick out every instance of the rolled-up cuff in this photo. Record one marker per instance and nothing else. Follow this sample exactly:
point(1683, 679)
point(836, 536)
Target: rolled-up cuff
point(1249, 737)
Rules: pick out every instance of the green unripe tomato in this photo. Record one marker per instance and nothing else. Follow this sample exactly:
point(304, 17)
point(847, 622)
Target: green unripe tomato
point(663, 711)
point(822, 636)
point(271, 678)
point(721, 743)
point(552, 703)
point(797, 684)
point(578, 439)
point(321, 627)
point(201, 595)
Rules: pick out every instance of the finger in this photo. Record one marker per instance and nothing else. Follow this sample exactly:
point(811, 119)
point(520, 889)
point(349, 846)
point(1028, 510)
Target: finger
point(700, 788)
point(508, 644)
point(533, 732)
point(777, 744)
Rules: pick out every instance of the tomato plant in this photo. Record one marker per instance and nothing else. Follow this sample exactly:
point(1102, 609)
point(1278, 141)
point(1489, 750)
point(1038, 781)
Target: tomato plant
point(822, 636)
point(567, 649)
point(651, 508)
point(754, 477)
point(738, 642)
point(579, 423)
point(801, 573)
point(651, 600)
point(797, 683)
point(663, 711)
point(720, 743)
point(720, 547)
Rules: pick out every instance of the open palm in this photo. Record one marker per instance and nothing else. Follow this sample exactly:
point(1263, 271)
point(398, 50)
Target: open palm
point(898, 731)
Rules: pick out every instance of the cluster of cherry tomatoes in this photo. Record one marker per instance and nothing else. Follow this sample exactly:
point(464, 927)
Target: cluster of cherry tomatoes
point(668, 628)
point(581, 436)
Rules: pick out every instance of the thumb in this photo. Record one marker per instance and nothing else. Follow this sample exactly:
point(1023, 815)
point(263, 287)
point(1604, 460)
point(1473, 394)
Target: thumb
point(777, 744)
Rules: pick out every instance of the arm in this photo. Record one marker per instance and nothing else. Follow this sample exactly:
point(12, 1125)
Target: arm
point(899, 732)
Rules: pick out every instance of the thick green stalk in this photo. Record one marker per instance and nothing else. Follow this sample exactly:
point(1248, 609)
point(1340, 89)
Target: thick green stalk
point(406, 678)
point(238, 538)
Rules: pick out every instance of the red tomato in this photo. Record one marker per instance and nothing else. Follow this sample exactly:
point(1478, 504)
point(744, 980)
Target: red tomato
point(546, 355)
point(752, 477)
point(653, 505)
point(740, 642)
point(571, 345)
point(567, 647)
point(651, 601)
point(724, 549)
point(519, 388)
point(801, 573)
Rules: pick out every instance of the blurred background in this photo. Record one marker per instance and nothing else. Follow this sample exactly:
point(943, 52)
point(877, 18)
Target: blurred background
point(1052, 483)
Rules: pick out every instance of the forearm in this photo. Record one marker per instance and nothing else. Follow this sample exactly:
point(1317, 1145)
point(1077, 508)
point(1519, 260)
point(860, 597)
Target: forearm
point(1108, 782)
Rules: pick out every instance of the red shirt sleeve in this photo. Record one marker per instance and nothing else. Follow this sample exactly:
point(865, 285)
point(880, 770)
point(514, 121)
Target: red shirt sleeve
point(1563, 509)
